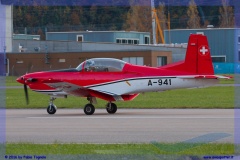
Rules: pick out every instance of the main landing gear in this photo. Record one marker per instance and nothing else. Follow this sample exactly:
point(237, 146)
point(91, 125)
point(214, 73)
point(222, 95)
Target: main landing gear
point(111, 108)
point(89, 108)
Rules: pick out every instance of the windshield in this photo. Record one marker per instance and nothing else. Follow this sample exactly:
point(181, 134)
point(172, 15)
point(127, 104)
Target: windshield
point(102, 65)
point(80, 67)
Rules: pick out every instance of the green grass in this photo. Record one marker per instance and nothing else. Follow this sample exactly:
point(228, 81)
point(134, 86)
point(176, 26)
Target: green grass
point(227, 81)
point(212, 97)
point(133, 149)
point(11, 81)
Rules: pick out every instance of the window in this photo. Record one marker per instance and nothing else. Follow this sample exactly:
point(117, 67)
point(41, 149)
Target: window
point(218, 58)
point(134, 60)
point(136, 41)
point(62, 60)
point(79, 38)
point(146, 40)
point(118, 40)
point(161, 61)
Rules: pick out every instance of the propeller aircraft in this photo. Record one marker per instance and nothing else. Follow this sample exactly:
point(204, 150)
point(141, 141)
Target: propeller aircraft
point(115, 80)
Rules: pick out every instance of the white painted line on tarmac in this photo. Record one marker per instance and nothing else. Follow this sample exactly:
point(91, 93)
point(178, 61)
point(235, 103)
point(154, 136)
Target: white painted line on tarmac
point(130, 117)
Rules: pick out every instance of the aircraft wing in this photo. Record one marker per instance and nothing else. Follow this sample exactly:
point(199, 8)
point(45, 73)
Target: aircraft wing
point(69, 88)
point(83, 91)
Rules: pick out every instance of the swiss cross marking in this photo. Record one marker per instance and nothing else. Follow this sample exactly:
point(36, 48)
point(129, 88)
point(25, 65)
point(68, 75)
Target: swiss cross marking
point(204, 50)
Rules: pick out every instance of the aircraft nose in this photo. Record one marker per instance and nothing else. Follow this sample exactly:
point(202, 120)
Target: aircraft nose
point(20, 79)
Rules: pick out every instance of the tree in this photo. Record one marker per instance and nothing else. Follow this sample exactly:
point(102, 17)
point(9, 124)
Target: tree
point(75, 18)
point(138, 18)
point(193, 17)
point(226, 18)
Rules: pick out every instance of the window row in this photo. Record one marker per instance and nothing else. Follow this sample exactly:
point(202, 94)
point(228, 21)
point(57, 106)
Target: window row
point(127, 41)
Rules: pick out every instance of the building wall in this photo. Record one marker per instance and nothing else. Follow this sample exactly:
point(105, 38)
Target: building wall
point(237, 47)
point(21, 63)
point(68, 47)
point(96, 36)
point(6, 25)
point(26, 37)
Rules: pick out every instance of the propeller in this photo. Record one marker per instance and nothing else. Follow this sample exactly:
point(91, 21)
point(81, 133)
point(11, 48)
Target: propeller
point(26, 93)
point(24, 81)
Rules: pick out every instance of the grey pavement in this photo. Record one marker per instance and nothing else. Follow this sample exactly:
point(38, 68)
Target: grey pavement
point(126, 126)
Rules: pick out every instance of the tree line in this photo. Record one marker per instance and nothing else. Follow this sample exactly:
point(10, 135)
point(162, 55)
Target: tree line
point(130, 18)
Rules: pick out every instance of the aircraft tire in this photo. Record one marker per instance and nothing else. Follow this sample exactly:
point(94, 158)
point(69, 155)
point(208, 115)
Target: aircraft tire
point(112, 109)
point(51, 109)
point(89, 109)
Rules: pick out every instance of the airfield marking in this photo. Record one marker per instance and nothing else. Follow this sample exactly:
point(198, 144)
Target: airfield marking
point(131, 117)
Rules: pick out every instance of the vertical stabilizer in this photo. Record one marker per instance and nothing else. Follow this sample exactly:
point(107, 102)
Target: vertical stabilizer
point(198, 58)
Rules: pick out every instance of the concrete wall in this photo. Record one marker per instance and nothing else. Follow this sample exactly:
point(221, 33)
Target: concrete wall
point(9, 28)
point(6, 26)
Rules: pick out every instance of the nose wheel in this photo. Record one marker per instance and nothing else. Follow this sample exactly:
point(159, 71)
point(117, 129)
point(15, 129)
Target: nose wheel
point(51, 109)
point(111, 108)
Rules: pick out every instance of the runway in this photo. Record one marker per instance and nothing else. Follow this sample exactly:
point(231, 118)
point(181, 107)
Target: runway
point(126, 126)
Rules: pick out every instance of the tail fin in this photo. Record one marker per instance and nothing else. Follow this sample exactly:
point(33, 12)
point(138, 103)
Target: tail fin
point(198, 58)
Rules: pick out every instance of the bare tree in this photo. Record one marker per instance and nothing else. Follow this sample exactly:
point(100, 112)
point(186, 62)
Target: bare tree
point(161, 15)
point(226, 18)
point(193, 17)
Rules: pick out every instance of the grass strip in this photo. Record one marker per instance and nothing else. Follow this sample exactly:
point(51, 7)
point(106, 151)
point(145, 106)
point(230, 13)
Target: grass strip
point(141, 149)
point(211, 97)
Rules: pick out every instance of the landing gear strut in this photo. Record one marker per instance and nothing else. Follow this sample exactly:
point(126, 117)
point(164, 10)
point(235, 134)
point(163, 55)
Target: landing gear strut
point(89, 108)
point(51, 109)
point(111, 108)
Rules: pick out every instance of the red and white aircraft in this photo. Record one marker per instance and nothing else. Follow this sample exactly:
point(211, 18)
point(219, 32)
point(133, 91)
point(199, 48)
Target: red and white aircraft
point(115, 80)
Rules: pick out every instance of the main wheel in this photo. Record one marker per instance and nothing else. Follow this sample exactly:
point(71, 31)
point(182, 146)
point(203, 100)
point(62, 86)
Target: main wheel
point(111, 108)
point(89, 109)
point(51, 109)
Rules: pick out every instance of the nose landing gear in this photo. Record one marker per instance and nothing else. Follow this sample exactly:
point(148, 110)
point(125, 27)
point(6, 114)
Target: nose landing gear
point(51, 109)
point(89, 108)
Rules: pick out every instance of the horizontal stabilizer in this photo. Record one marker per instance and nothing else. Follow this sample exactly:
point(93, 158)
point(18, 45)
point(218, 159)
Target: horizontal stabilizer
point(205, 77)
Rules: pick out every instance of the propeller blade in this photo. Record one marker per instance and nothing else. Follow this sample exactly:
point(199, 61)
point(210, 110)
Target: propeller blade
point(26, 93)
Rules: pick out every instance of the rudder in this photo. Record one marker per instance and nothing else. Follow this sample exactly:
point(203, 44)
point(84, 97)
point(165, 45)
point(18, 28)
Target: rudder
point(198, 58)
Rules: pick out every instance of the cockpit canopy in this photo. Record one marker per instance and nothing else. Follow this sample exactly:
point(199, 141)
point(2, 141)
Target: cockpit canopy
point(101, 65)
